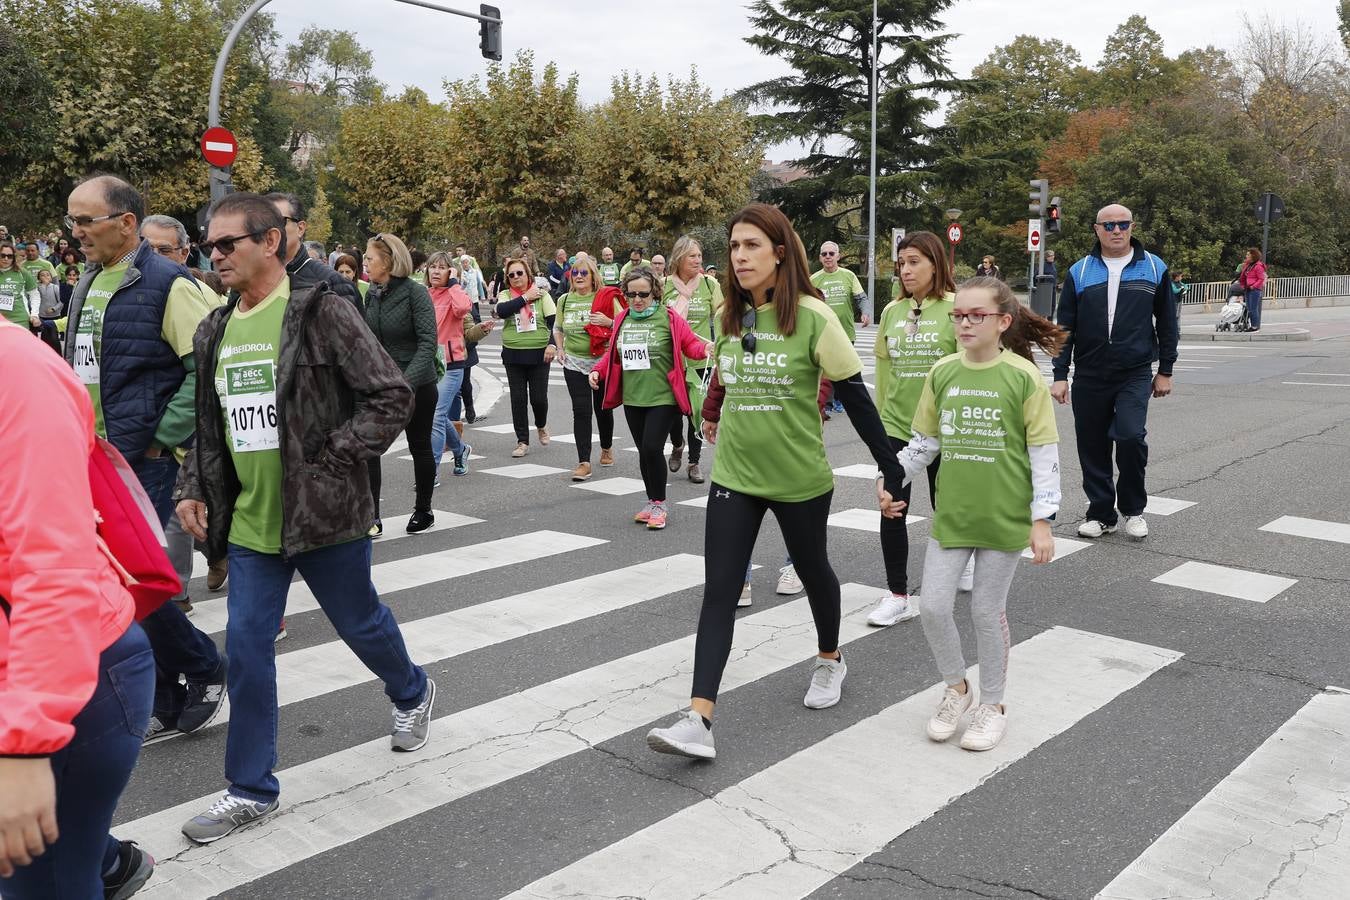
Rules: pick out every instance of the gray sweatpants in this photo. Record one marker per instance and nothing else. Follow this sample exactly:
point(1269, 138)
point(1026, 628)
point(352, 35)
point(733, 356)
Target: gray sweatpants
point(180, 552)
point(988, 601)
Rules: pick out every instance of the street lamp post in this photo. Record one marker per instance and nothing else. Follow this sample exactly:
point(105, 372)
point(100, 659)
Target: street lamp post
point(952, 216)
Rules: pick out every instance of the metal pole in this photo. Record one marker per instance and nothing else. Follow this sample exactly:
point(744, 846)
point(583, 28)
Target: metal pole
point(1265, 226)
point(872, 181)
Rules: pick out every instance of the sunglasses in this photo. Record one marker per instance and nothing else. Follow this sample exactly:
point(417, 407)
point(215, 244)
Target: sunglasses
point(1112, 226)
point(515, 275)
point(748, 320)
point(829, 253)
point(226, 245)
point(631, 295)
point(972, 318)
point(581, 273)
point(6, 255)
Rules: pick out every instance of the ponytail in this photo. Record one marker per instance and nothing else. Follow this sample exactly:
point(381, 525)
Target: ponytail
point(1027, 327)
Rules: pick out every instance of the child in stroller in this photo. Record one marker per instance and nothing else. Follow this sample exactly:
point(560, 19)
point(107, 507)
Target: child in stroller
point(1233, 316)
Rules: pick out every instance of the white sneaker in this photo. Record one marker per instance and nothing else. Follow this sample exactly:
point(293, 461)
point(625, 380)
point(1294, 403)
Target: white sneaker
point(1094, 529)
point(949, 712)
point(967, 579)
point(1136, 527)
point(827, 682)
point(788, 582)
point(745, 597)
point(687, 737)
point(891, 610)
point(985, 729)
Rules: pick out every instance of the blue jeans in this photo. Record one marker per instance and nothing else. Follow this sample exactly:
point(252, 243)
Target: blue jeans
point(442, 432)
point(339, 577)
point(1254, 308)
point(90, 773)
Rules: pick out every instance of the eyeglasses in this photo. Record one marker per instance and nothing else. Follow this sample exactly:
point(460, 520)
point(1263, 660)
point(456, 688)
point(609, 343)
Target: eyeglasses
point(516, 274)
point(1112, 226)
point(165, 249)
point(86, 221)
point(631, 295)
point(747, 330)
point(972, 318)
point(6, 255)
point(226, 245)
point(828, 253)
point(581, 273)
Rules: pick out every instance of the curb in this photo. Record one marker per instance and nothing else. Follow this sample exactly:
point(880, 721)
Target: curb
point(1297, 334)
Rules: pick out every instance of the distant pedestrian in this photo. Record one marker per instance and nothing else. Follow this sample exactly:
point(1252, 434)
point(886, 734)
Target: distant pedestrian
point(1252, 280)
point(989, 269)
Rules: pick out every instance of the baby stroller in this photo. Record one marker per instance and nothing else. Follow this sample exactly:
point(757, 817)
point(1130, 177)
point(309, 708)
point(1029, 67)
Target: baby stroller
point(1233, 316)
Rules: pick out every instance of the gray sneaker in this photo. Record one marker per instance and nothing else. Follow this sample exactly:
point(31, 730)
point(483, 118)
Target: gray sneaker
point(687, 737)
point(411, 727)
point(827, 682)
point(225, 815)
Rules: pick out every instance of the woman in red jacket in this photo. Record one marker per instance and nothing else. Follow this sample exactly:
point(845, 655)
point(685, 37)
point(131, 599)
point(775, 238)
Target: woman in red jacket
point(1252, 280)
point(77, 678)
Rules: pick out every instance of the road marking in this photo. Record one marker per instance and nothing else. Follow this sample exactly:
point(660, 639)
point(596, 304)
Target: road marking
point(864, 519)
point(472, 456)
point(428, 568)
point(615, 487)
point(506, 428)
point(700, 502)
point(1278, 820)
point(572, 439)
point(861, 470)
point(1166, 506)
point(1310, 528)
point(1238, 583)
point(1189, 368)
point(397, 445)
point(767, 837)
point(1325, 374)
point(1319, 383)
point(524, 470)
point(1063, 547)
point(472, 750)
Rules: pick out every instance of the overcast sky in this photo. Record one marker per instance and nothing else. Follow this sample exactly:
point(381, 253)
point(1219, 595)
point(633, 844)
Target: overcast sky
point(598, 39)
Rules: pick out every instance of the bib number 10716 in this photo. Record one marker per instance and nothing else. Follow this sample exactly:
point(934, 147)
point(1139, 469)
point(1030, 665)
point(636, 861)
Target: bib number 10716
point(251, 405)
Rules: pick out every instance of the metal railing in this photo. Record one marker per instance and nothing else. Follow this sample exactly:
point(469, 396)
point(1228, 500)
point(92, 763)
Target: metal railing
point(1307, 287)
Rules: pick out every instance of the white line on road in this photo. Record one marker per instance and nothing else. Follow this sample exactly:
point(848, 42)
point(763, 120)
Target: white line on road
point(1166, 506)
point(1319, 383)
point(1238, 583)
point(1325, 374)
point(1063, 547)
point(1309, 528)
point(864, 519)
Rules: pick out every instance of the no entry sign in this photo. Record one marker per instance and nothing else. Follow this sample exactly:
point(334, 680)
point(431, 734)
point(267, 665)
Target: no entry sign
point(219, 147)
point(954, 233)
point(1033, 234)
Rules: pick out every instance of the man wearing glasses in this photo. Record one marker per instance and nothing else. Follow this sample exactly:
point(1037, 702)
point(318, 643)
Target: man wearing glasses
point(304, 269)
point(845, 295)
point(1116, 305)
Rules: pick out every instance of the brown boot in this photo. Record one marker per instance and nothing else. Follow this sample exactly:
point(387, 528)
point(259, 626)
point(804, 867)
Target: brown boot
point(695, 474)
point(216, 574)
point(582, 472)
point(606, 456)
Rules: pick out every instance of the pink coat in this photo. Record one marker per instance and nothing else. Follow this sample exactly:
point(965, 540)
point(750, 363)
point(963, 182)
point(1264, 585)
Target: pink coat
point(452, 305)
point(687, 344)
point(1253, 277)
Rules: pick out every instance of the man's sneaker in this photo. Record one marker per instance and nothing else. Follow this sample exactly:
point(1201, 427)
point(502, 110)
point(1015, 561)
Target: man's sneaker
point(412, 726)
point(281, 632)
point(1136, 527)
point(225, 815)
point(892, 610)
point(204, 700)
point(745, 597)
point(985, 729)
point(695, 473)
point(582, 472)
point(1095, 529)
point(788, 582)
point(827, 682)
point(184, 606)
point(657, 520)
point(376, 530)
point(967, 580)
point(158, 730)
point(687, 737)
point(676, 457)
point(521, 449)
point(949, 712)
point(644, 514)
point(462, 461)
point(134, 868)
point(606, 456)
point(216, 574)
point(419, 521)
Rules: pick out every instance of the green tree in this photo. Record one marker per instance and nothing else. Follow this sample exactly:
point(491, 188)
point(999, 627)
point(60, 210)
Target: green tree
point(25, 123)
point(324, 72)
point(1134, 69)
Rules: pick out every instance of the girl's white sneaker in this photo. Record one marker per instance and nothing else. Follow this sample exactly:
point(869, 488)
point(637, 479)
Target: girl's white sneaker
point(985, 729)
point(949, 712)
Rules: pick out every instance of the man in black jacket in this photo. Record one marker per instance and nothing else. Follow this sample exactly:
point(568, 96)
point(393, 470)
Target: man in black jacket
point(303, 269)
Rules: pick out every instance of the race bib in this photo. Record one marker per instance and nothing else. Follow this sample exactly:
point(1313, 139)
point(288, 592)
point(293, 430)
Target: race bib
point(6, 302)
point(251, 404)
point(86, 362)
point(633, 350)
point(526, 323)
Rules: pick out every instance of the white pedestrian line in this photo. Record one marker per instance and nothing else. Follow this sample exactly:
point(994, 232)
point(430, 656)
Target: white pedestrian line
point(570, 438)
point(1166, 506)
point(767, 837)
point(615, 487)
point(1309, 528)
point(397, 445)
point(1277, 820)
point(1319, 383)
point(1063, 547)
point(700, 502)
point(470, 751)
point(472, 456)
point(506, 428)
point(428, 568)
point(1238, 583)
point(393, 531)
point(863, 519)
point(1326, 374)
point(861, 470)
point(324, 668)
point(524, 470)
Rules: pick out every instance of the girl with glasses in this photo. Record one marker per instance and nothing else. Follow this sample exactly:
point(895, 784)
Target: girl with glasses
point(582, 306)
point(528, 313)
point(696, 298)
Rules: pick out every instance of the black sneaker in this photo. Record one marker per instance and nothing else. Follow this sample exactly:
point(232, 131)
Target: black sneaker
point(204, 700)
point(420, 521)
point(134, 868)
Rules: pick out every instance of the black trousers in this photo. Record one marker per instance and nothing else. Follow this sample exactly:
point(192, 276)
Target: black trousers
point(418, 432)
point(895, 532)
point(466, 395)
point(733, 521)
point(694, 438)
point(1111, 412)
point(529, 389)
point(585, 403)
point(649, 426)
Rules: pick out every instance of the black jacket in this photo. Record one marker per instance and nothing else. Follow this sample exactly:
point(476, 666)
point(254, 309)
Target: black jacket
point(306, 272)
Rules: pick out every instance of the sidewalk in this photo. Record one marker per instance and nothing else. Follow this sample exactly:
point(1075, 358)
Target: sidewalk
point(1321, 323)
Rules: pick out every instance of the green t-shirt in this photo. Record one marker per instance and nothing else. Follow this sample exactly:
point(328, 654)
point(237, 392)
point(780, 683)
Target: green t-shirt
point(704, 303)
point(906, 353)
point(839, 287)
point(985, 416)
point(15, 285)
point(647, 353)
point(89, 336)
point(527, 329)
point(574, 312)
point(363, 287)
point(33, 266)
point(245, 380)
point(630, 265)
point(769, 443)
point(609, 273)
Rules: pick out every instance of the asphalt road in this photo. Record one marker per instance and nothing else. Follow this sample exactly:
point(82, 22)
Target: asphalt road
point(559, 632)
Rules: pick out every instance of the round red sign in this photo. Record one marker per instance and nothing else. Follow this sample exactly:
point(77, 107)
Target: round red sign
point(954, 233)
point(219, 147)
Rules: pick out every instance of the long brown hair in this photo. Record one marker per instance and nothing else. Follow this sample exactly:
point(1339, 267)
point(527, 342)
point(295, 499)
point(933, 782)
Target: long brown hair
point(793, 278)
point(930, 245)
point(1027, 327)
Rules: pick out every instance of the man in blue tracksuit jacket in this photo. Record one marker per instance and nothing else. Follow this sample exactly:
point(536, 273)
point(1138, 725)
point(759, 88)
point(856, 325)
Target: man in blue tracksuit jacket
point(1117, 307)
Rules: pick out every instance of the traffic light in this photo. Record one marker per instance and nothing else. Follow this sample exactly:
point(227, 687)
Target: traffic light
point(490, 33)
point(1052, 217)
point(1040, 197)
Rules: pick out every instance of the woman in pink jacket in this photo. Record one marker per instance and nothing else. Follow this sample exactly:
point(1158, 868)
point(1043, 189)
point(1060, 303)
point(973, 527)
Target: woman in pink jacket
point(452, 304)
point(643, 369)
point(77, 678)
point(1252, 280)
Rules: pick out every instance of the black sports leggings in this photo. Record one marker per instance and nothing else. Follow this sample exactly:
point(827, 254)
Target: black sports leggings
point(585, 402)
point(895, 532)
point(418, 432)
point(733, 521)
point(534, 380)
point(695, 439)
point(649, 426)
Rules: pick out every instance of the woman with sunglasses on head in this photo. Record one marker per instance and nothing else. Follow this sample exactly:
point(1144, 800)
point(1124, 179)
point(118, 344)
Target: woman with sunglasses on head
point(401, 316)
point(643, 368)
point(528, 348)
point(581, 306)
point(696, 298)
point(776, 340)
point(19, 297)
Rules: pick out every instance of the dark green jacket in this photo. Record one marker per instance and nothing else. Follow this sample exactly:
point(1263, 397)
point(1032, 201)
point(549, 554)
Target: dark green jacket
point(403, 320)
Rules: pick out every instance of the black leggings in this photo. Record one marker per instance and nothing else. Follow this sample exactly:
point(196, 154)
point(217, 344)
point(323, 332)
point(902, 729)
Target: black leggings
point(733, 521)
point(528, 384)
point(895, 532)
point(466, 394)
point(649, 426)
point(695, 440)
point(418, 432)
point(585, 402)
